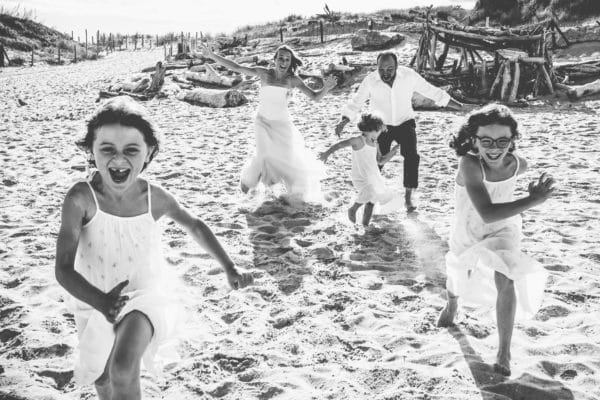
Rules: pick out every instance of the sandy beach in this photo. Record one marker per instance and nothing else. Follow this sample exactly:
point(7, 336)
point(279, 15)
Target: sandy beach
point(336, 312)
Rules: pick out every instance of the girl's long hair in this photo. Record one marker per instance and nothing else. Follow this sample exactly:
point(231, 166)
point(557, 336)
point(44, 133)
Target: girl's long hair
point(492, 114)
point(295, 62)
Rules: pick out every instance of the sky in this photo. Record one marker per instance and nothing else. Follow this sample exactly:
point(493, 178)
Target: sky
point(214, 16)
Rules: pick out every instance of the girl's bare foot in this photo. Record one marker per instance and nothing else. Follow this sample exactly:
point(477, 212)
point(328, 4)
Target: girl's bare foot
point(244, 187)
point(447, 315)
point(352, 214)
point(502, 364)
point(367, 213)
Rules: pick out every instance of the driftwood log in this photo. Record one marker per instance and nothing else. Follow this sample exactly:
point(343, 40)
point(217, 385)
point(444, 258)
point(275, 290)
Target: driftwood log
point(158, 78)
point(214, 97)
point(212, 77)
point(577, 92)
point(136, 86)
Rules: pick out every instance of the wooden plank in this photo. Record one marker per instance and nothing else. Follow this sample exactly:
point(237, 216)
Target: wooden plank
point(524, 38)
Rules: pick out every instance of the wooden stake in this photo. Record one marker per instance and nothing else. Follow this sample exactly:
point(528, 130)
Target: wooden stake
point(497, 80)
point(74, 53)
point(440, 62)
point(86, 42)
point(546, 78)
point(484, 82)
point(504, 91)
point(515, 88)
point(32, 56)
point(321, 28)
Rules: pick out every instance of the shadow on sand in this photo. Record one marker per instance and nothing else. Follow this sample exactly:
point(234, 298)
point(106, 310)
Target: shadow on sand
point(274, 224)
point(494, 386)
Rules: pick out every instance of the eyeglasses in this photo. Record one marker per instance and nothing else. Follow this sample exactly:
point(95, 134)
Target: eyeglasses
point(501, 143)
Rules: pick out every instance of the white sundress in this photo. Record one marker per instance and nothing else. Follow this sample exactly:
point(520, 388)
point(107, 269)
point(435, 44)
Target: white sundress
point(112, 249)
point(370, 185)
point(281, 155)
point(478, 249)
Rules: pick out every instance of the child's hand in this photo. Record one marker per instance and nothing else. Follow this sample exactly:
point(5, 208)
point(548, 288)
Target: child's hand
point(541, 190)
point(113, 302)
point(323, 156)
point(239, 278)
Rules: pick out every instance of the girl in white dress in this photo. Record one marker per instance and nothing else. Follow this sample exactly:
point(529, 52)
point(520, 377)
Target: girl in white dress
point(370, 186)
point(281, 156)
point(485, 264)
point(108, 253)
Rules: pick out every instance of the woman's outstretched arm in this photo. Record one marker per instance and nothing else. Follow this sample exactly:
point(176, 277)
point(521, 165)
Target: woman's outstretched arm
point(232, 65)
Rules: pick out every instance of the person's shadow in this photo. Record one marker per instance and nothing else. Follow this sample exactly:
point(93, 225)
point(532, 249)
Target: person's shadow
point(273, 225)
point(494, 386)
point(403, 251)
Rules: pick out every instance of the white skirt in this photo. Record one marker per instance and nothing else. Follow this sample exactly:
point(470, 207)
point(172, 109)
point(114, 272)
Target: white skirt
point(282, 157)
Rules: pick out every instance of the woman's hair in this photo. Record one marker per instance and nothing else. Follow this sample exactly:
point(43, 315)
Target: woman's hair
point(295, 62)
point(122, 110)
point(369, 123)
point(492, 114)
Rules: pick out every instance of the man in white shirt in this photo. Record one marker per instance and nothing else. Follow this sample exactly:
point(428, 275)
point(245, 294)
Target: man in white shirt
point(390, 90)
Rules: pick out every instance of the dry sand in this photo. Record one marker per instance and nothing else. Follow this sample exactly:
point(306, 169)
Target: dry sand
point(335, 312)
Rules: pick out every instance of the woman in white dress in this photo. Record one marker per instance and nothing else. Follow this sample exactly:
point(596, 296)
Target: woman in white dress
point(281, 156)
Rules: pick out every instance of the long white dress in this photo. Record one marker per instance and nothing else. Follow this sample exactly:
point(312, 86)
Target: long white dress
point(281, 155)
point(478, 249)
point(370, 186)
point(113, 249)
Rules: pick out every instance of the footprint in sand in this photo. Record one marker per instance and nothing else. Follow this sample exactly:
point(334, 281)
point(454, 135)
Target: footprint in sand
point(566, 371)
point(61, 378)
point(548, 312)
point(52, 351)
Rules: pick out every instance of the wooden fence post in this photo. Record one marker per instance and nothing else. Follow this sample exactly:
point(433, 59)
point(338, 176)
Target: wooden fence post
point(97, 40)
point(321, 28)
point(126, 42)
point(58, 54)
point(74, 53)
point(86, 42)
point(32, 56)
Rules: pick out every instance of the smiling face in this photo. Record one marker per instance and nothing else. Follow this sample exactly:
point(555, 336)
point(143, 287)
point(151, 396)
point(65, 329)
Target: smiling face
point(283, 60)
point(387, 69)
point(120, 153)
point(500, 135)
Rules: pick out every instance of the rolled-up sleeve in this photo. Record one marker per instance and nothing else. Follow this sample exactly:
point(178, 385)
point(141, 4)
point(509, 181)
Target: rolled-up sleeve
point(439, 96)
point(354, 105)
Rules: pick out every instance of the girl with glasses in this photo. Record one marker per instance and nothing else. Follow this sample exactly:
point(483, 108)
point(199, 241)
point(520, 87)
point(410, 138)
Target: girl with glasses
point(485, 264)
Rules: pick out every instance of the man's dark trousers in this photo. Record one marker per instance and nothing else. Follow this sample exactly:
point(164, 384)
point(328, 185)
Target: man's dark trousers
point(404, 134)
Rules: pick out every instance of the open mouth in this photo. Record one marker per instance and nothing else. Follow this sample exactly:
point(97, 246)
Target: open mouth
point(119, 175)
point(493, 157)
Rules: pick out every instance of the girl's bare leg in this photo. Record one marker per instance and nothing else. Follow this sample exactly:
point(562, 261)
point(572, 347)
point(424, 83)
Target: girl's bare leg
point(506, 304)
point(133, 335)
point(447, 315)
point(352, 212)
point(368, 212)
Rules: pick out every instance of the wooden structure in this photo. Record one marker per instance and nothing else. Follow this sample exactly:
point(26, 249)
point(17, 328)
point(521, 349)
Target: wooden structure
point(3, 56)
point(501, 64)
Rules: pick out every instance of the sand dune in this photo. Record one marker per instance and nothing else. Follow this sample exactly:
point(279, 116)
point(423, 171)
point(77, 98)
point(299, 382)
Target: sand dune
point(336, 312)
